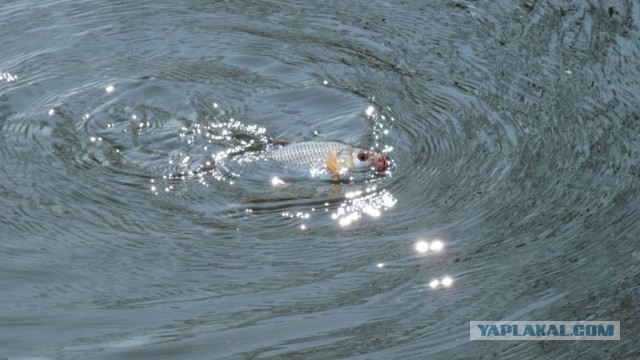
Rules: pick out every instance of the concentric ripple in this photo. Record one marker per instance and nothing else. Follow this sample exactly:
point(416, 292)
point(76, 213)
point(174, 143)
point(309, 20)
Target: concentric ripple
point(220, 151)
point(140, 217)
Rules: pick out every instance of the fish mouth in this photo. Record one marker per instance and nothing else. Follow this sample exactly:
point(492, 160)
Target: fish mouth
point(380, 163)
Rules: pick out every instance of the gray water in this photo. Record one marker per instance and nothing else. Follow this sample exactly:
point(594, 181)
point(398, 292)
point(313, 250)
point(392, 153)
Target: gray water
point(513, 128)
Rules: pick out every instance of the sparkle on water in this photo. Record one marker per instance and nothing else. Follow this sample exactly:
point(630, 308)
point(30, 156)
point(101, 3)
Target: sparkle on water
point(220, 140)
point(436, 245)
point(444, 282)
point(423, 246)
point(217, 145)
point(276, 181)
point(538, 189)
point(8, 77)
point(369, 202)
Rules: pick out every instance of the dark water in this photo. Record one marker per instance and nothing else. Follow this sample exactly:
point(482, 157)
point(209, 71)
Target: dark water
point(514, 130)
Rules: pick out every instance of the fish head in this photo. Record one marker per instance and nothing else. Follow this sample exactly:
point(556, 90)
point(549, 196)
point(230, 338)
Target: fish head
point(363, 160)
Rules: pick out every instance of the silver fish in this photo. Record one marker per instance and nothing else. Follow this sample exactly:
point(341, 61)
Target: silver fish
point(334, 156)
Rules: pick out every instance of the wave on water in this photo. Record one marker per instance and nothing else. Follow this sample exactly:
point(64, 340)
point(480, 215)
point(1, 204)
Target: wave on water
point(220, 151)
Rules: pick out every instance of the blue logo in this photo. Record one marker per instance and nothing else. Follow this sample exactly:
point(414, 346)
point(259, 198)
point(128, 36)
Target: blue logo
point(544, 330)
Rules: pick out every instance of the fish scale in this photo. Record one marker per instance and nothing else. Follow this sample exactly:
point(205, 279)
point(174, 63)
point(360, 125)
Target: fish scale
point(310, 153)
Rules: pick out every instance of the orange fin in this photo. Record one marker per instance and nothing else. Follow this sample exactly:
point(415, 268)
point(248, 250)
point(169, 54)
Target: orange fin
point(332, 163)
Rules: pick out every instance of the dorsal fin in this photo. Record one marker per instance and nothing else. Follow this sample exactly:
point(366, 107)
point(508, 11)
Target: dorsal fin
point(333, 166)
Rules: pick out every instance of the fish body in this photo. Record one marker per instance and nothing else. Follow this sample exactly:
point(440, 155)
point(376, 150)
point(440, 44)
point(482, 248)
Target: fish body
point(333, 156)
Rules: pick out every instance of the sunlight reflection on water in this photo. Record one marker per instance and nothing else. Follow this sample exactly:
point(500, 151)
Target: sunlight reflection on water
point(221, 148)
point(139, 205)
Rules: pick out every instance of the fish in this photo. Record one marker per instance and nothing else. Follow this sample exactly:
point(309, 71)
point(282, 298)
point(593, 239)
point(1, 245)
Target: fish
point(336, 157)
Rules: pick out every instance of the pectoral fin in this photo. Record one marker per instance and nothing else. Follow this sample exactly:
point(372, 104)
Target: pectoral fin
point(333, 166)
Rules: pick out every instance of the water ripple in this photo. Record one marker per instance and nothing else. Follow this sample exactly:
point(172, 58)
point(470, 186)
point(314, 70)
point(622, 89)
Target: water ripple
point(139, 218)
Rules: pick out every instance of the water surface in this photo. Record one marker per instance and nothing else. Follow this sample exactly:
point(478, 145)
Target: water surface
point(137, 222)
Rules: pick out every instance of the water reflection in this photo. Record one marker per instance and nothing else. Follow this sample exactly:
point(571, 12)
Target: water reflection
point(8, 77)
point(222, 150)
point(446, 281)
point(422, 246)
point(436, 245)
point(368, 202)
point(215, 149)
point(277, 182)
point(532, 171)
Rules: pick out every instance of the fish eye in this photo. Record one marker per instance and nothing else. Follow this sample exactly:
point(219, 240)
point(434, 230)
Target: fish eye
point(362, 156)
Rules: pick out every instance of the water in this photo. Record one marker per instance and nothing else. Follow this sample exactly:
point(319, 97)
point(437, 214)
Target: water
point(513, 128)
